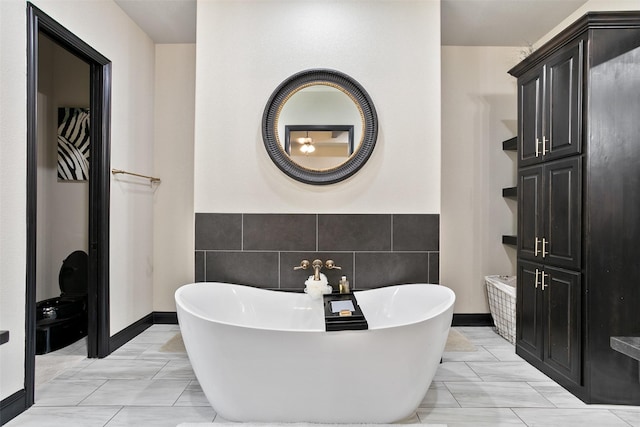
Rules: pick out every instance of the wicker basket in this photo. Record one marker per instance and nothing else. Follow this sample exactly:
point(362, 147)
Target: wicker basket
point(501, 291)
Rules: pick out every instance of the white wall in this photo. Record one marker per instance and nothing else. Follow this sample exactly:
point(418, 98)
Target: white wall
point(245, 49)
point(590, 6)
point(479, 111)
point(13, 134)
point(173, 243)
point(63, 206)
point(132, 55)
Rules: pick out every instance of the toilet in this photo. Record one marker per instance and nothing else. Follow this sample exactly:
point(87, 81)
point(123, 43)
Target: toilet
point(62, 320)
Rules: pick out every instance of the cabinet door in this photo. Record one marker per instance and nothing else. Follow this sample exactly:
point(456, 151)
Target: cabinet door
point(563, 213)
point(562, 106)
point(562, 331)
point(530, 102)
point(530, 212)
point(529, 309)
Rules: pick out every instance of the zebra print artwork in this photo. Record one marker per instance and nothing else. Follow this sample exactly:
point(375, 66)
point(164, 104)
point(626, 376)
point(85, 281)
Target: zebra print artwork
point(73, 144)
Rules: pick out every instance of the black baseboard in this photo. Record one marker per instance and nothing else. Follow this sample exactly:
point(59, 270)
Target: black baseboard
point(472, 319)
point(165, 318)
point(130, 332)
point(12, 406)
point(133, 330)
point(465, 319)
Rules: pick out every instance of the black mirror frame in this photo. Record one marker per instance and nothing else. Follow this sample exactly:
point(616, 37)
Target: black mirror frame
point(332, 78)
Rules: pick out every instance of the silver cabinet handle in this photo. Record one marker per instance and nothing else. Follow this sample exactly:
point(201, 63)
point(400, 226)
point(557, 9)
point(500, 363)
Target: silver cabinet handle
point(537, 149)
point(544, 252)
point(540, 279)
point(544, 145)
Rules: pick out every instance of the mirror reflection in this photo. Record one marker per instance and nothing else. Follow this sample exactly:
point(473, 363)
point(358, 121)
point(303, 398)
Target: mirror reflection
point(326, 124)
point(318, 146)
point(319, 126)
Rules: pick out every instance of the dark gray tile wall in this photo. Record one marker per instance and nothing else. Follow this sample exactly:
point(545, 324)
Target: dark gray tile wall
point(261, 250)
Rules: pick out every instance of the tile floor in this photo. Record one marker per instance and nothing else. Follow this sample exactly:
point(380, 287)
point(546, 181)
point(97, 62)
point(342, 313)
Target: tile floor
point(139, 385)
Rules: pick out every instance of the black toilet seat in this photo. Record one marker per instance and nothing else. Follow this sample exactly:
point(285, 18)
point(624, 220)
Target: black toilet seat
point(62, 320)
point(74, 274)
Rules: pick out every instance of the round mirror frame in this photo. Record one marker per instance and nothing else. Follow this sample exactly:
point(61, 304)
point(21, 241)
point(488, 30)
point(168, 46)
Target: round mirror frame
point(305, 79)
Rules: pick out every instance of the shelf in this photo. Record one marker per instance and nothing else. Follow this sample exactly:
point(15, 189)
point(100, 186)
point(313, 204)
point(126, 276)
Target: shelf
point(510, 144)
point(511, 192)
point(510, 240)
point(629, 346)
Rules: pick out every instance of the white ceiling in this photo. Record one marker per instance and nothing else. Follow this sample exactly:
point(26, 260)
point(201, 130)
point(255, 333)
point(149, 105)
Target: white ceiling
point(165, 21)
point(464, 22)
point(501, 22)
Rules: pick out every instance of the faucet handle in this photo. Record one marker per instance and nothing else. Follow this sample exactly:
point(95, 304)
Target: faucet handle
point(304, 264)
point(331, 265)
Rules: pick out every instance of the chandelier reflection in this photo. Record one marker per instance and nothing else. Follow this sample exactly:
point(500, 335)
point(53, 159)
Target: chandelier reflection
point(307, 144)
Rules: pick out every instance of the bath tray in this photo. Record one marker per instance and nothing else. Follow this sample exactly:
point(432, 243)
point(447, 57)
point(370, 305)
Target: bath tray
point(336, 322)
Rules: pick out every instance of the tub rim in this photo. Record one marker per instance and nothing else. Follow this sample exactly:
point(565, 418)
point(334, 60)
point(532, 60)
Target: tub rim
point(181, 306)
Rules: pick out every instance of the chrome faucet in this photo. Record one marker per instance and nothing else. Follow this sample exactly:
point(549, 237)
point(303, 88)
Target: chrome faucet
point(317, 266)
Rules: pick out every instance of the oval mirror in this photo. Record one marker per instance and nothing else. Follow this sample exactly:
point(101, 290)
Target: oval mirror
point(319, 126)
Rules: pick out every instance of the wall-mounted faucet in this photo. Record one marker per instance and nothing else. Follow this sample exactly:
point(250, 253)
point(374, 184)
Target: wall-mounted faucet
point(317, 266)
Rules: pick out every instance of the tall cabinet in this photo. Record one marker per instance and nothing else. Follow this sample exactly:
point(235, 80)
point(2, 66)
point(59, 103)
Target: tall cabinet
point(579, 206)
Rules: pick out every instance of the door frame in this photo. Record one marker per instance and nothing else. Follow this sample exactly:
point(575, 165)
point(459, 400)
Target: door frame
point(99, 188)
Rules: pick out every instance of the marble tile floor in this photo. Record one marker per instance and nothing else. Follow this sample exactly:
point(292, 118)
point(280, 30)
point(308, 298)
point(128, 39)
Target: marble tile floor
point(141, 385)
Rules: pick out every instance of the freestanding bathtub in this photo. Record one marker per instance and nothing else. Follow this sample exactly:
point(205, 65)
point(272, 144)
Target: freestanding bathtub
point(264, 356)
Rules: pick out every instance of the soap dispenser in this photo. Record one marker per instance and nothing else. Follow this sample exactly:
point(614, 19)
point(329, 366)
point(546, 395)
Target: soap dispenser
point(344, 285)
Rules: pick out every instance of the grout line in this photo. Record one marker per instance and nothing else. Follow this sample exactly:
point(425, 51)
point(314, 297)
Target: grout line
point(241, 232)
point(611, 411)
point(353, 279)
point(317, 233)
point(516, 414)
point(114, 415)
point(391, 216)
point(183, 392)
point(88, 395)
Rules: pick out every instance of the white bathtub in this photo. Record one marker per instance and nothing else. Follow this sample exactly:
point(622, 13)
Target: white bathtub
point(264, 356)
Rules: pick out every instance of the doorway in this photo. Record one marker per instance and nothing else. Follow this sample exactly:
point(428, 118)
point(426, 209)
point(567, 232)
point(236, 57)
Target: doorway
point(38, 23)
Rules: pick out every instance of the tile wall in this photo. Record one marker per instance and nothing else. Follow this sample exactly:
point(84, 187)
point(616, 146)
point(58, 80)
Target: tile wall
point(261, 250)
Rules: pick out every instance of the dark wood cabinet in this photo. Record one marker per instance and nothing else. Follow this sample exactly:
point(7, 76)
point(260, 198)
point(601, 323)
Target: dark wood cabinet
point(529, 315)
point(579, 206)
point(549, 99)
point(549, 213)
point(550, 318)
